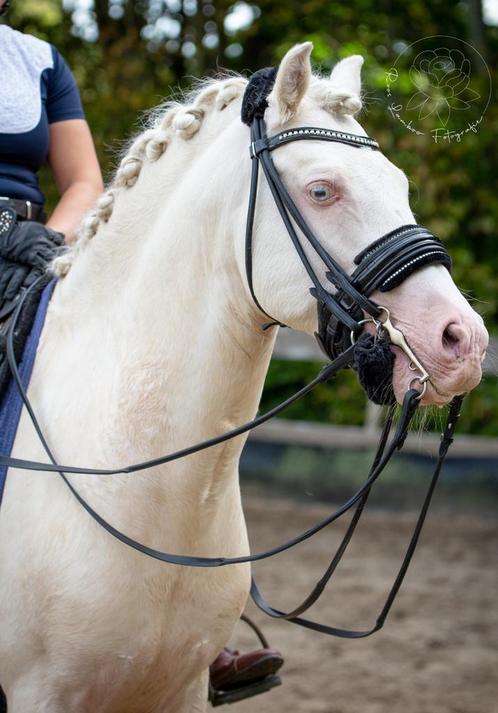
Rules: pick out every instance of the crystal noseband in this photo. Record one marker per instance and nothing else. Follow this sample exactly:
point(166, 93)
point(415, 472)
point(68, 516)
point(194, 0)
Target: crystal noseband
point(382, 266)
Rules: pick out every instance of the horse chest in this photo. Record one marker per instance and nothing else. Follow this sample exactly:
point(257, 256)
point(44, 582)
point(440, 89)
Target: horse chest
point(143, 676)
point(142, 649)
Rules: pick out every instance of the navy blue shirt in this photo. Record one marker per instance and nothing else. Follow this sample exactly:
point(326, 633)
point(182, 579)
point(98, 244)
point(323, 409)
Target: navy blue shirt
point(36, 89)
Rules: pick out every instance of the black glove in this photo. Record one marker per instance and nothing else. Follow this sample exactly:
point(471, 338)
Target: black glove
point(30, 243)
point(26, 249)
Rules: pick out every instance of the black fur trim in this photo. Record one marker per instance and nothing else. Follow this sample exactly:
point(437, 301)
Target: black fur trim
point(374, 364)
point(254, 102)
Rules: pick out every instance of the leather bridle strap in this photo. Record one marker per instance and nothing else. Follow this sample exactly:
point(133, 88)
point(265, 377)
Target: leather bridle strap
point(383, 265)
point(338, 276)
point(409, 406)
point(251, 210)
point(320, 586)
point(289, 212)
point(381, 459)
point(358, 499)
point(326, 373)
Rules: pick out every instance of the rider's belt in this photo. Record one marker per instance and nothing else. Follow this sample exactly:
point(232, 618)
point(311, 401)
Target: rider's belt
point(25, 210)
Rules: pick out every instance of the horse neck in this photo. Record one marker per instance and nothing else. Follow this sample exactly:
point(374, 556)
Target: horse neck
point(170, 338)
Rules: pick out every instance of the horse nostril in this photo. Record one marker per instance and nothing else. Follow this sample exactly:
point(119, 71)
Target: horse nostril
point(455, 339)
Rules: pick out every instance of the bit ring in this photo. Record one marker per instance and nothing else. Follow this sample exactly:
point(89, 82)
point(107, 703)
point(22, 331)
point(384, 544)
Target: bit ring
point(387, 313)
point(364, 321)
point(423, 382)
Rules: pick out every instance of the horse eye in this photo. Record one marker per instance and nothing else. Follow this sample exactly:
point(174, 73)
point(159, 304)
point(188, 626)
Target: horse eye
point(321, 192)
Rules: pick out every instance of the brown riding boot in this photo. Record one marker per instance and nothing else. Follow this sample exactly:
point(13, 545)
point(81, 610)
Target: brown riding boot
point(232, 669)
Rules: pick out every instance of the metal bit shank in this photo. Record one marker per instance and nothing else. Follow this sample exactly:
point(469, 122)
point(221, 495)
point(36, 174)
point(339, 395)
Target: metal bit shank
point(398, 339)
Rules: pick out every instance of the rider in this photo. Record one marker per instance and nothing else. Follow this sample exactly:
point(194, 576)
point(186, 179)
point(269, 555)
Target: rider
point(42, 121)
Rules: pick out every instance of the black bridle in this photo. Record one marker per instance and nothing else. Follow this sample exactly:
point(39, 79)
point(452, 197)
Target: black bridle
point(383, 265)
point(389, 259)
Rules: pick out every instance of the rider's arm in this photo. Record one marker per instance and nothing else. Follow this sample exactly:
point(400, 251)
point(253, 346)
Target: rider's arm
point(76, 171)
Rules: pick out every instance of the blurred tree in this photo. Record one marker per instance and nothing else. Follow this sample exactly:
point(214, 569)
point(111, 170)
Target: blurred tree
point(127, 55)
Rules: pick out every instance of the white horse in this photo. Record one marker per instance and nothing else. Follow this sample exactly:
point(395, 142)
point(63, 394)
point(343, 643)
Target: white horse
point(152, 342)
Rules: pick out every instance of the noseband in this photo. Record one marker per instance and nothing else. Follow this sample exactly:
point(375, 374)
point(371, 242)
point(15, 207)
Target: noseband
point(383, 265)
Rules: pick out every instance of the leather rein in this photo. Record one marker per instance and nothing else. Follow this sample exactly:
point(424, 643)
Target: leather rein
point(393, 257)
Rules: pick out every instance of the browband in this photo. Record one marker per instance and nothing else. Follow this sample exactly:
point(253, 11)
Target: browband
point(310, 132)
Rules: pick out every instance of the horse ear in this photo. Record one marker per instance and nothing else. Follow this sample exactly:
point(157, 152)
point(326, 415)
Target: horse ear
point(344, 94)
point(347, 73)
point(292, 81)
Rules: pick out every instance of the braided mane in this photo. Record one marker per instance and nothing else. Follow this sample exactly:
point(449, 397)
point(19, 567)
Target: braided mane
point(167, 121)
point(180, 119)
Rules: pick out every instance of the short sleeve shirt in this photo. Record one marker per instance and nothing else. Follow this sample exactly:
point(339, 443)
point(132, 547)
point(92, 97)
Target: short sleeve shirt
point(36, 89)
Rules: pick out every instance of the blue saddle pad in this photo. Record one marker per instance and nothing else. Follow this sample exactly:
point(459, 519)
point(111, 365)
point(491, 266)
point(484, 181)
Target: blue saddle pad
point(11, 405)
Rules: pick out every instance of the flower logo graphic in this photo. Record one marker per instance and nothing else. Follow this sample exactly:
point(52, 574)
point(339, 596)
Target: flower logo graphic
point(442, 78)
point(438, 86)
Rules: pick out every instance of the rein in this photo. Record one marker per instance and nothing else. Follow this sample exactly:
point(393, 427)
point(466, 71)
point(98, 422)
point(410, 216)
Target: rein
point(384, 264)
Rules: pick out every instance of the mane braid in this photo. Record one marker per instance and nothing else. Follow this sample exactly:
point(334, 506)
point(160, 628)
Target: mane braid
point(163, 124)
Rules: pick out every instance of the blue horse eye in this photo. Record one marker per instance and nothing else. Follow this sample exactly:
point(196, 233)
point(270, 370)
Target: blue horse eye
point(321, 193)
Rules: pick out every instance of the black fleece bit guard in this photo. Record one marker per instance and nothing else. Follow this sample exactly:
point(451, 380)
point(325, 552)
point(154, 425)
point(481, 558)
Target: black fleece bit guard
point(374, 364)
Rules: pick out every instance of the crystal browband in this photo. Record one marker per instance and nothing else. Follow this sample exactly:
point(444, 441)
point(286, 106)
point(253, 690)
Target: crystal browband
point(310, 132)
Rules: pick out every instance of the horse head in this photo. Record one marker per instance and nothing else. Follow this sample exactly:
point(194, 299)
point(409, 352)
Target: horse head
point(350, 196)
